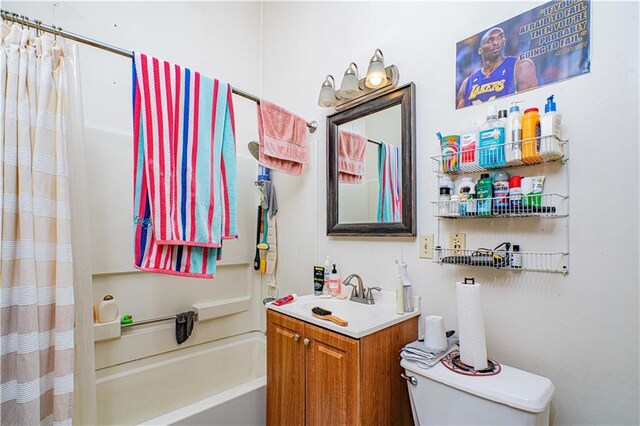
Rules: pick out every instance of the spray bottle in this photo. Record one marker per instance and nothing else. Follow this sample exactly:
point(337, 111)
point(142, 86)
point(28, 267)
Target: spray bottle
point(406, 285)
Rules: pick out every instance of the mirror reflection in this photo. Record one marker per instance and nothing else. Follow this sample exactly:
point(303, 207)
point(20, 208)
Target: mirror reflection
point(370, 168)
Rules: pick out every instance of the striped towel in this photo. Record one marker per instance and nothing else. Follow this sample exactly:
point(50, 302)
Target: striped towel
point(185, 187)
point(390, 178)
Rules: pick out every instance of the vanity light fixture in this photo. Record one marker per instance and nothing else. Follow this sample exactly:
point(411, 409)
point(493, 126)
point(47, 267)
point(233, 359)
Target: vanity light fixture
point(327, 97)
point(349, 88)
point(376, 75)
point(354, 90)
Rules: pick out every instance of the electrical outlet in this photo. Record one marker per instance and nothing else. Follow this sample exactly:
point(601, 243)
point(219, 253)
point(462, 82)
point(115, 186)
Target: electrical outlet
point(457, 243)
point(426, 246)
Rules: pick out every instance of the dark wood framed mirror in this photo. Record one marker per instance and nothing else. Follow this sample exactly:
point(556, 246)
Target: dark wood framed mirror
point(371, 191)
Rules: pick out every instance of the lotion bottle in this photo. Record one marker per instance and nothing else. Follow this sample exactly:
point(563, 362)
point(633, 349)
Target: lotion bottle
point(551, 131)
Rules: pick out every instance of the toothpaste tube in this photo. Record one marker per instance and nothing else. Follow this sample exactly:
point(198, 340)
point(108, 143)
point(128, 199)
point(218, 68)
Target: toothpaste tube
point(284, 300)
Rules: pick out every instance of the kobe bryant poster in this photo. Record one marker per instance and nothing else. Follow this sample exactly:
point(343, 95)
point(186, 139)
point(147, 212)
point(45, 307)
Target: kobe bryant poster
point(538, 47)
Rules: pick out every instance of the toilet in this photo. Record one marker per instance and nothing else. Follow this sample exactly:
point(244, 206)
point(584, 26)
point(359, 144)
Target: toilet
point(512, 397)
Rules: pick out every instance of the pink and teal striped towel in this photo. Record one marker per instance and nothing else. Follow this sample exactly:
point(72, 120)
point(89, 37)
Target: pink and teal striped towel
point(185, 181)
point(390, 180)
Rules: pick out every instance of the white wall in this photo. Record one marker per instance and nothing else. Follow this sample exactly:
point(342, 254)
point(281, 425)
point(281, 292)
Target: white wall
point(222, 40)
point(581, 330)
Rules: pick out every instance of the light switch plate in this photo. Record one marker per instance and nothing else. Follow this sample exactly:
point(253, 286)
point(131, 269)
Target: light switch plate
point(457, 243)
point(426, 246)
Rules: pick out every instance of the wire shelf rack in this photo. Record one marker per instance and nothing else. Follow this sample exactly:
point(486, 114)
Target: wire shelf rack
point(494, 157)
point(506, 260)
point(540, 205)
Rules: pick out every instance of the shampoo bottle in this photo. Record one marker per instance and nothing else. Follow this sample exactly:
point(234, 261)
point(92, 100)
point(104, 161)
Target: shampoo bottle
point(491, 141)
point(513, 136)
point(551, 131)
point(531, 136)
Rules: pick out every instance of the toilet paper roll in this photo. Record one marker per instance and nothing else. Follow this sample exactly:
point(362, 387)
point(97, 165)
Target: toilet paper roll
point(435, 337)
point(473, 347)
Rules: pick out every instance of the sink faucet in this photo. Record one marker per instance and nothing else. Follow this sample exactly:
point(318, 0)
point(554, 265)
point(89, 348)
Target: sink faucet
point(359, 293)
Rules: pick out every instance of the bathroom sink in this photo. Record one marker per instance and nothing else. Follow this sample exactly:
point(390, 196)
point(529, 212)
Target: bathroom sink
point(362, 319)
point(347, 310)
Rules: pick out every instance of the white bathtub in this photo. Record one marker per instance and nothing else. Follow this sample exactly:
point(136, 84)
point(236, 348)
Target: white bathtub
point(218, 383)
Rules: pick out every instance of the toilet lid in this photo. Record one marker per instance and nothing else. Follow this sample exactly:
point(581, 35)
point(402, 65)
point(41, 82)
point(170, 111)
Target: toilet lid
point(512, 387)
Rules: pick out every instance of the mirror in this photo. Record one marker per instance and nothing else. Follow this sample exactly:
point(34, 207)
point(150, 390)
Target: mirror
point(371, 167)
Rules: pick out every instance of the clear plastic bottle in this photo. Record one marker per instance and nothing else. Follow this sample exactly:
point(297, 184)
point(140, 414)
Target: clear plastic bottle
point(327, 273)
point(443, 202)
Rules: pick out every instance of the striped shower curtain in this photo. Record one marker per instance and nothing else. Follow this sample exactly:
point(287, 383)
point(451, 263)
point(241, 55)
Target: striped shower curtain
point(37, 300)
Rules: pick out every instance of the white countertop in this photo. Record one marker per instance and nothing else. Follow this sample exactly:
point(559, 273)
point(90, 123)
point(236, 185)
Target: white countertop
point(363, 319)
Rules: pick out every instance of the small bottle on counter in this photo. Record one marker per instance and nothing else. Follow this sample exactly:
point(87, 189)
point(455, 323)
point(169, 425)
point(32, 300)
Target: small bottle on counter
point(516, 257)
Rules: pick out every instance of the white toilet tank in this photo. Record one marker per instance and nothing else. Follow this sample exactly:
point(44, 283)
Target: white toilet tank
point(512, 397)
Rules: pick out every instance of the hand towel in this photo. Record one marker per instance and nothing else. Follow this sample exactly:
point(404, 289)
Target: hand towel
point(269, 198)
point(185, 177)
point(351, 150)
point(283, 139)
point(184, 326)
point(418, 353)
point(390, 180)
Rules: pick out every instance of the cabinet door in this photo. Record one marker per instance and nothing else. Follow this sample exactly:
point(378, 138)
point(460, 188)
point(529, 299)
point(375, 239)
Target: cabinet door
point(285, 370)
point(333, 389)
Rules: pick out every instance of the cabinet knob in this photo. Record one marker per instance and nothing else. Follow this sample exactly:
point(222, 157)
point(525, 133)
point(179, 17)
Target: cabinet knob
point(296, 337)
point(306, 342)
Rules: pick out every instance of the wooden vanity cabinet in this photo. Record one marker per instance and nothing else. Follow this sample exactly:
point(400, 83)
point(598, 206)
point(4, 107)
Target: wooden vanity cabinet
point(319, 377)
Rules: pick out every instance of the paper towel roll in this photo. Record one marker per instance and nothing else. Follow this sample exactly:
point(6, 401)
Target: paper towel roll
point(435, 337)
point(473, 347)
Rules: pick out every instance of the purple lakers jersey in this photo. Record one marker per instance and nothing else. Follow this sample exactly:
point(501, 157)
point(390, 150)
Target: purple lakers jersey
point(499, 83)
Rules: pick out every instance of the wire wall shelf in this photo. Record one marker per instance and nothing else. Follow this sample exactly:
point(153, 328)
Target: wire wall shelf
point(504, 260)
point(540, 205)
point(495, 157)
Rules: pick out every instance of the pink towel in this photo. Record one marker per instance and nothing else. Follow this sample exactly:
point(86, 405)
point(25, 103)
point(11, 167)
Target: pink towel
point(351, 150)
point(283, 139)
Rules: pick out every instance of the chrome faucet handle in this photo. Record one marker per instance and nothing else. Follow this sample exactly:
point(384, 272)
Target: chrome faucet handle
point(354, 289)
point(369, 295)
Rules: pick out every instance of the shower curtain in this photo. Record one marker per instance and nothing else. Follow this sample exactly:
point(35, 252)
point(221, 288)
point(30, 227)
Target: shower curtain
point(37, 271)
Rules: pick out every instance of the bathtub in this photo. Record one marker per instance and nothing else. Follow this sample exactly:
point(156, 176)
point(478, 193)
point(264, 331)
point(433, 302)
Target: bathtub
point(217, 383)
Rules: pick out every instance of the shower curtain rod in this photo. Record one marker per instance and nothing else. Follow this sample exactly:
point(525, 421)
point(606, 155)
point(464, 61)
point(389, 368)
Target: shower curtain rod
point(58, 31)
